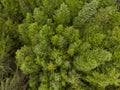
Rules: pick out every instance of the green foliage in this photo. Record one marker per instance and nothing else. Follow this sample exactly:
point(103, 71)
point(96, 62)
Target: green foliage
point(87, 11)
point(72, 49)
point(105, 79)
point(108, 17)
point(49, 6)
point(62, 15)
point(7, 47)
point(74, 6)
point(63, 57)
point(107, 3)
point(91, 59)
point(94, 35)
point(40, 16)
point(10, 6)
point(26, 60)
point(14, 83)
point(59, 45)
point(24, 5)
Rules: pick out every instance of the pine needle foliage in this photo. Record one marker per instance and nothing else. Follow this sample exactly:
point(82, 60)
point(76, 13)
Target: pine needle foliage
point(59, 45)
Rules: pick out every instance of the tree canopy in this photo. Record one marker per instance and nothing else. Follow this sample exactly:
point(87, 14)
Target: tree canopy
point(59, 45)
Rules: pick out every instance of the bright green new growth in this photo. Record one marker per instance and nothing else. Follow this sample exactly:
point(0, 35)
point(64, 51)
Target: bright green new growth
point(61, 55)
point(59, 45)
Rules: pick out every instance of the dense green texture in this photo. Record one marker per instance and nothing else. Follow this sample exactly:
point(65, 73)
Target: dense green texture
point(59, 45)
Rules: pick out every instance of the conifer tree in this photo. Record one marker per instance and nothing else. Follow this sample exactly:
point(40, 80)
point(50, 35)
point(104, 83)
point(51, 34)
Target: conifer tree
point(85, 13)
point(59, 45)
